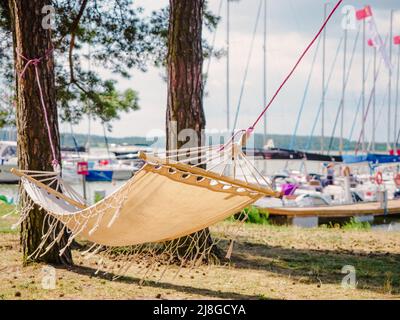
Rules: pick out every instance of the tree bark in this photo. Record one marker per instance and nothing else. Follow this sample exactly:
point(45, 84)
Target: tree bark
point(185, 115)
point(34, 150)
point(185, 64)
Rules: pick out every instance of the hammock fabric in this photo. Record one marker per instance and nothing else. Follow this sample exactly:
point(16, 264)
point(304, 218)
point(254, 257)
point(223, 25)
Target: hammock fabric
point(160, 203)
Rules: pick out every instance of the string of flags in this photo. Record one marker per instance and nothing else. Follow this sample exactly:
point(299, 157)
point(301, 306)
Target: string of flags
point(375, 39)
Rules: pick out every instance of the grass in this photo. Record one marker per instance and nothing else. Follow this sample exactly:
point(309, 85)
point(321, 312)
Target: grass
point(352, 224)
point(356, 225)
point(268, 262)
point(254, 215)
point(5, 208)
point(7, 220)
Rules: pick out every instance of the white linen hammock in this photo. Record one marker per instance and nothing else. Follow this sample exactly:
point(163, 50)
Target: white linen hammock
point(170, 197)
point(165, 200)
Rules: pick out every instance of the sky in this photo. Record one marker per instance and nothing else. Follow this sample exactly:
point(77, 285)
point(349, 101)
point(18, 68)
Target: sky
point(290, 27)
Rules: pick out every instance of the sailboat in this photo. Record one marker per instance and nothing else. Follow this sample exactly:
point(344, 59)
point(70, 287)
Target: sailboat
point(8, 160)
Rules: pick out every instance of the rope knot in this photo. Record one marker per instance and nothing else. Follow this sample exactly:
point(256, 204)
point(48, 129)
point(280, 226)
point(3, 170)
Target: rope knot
point(35, 61)
point(249, 130)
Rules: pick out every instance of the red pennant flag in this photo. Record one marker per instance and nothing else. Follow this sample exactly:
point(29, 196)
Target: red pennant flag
point(364, 13)
point(396, 40)
point(371, 43)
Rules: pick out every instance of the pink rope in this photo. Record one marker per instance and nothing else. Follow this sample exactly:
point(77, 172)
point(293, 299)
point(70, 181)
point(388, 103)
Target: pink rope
point(251, 129)
point(35, 62)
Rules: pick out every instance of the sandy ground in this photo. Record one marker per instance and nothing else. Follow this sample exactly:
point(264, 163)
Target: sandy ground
point(268, 262)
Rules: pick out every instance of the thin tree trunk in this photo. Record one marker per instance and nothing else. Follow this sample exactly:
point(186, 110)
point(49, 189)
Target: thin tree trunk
point(185, 115)
point(34, 150)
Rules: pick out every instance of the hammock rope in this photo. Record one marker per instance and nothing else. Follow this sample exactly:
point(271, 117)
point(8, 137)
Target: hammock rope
point(35, 63)
point(252, 127)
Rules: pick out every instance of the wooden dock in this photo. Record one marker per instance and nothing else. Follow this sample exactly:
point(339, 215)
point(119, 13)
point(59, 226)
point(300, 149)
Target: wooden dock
point(349, 210)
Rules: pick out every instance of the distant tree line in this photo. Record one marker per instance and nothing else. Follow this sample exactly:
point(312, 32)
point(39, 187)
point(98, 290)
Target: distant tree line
point(280, 141)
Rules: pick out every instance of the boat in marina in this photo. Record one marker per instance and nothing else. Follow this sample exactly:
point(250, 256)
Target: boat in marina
point(8, 160)
point(99, 169)
point(362, 190)
point(105, 170)
point(129, 152)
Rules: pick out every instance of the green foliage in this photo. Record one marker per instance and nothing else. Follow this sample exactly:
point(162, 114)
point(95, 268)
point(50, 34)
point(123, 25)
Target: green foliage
point(250, 215)
point(98, 197)
point(4, 15)
point(67, 140)
point(103, 102)
point(111, 34)
point(355, 225)
point(5, 200)
point(3, 117)
point(254, 215)
point(119, 38)
point(7, 110)
point(279, 140)
point(302, 142)
point(158, 32)
point(352, 224)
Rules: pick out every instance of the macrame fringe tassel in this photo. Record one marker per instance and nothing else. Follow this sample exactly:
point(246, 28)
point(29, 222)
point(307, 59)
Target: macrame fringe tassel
point(230, 250)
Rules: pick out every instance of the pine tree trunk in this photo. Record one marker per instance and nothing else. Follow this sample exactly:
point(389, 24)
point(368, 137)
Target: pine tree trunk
point(185, 88)
point(185, 64)
point(34, 151)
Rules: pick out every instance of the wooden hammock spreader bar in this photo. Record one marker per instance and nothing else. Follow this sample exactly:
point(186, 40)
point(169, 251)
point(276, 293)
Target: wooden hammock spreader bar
point(48, 189)
point(208, 174)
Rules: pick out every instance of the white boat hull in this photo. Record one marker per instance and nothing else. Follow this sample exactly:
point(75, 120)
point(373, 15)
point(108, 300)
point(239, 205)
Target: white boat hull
point(6, 176)
point(122, 174)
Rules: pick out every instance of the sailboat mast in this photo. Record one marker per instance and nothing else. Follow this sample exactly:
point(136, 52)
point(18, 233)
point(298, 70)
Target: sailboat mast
point(323, 82)
point(265, 69)
point(343, 91)
point(88, 140)
point(363, 90)
point(374, 104)
point(397, 99)
point(390, 81)
point(227, 65)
